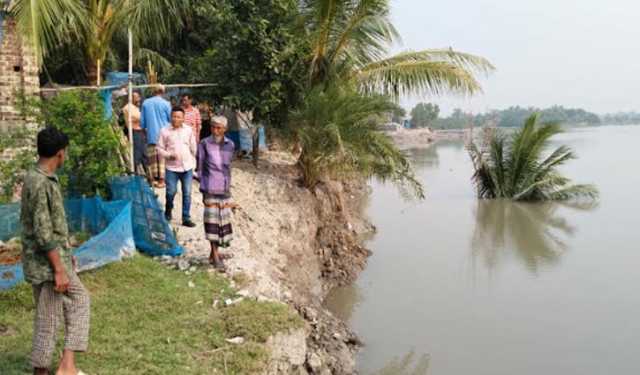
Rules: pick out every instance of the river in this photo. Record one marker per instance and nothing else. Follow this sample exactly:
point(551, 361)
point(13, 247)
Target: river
point(460, 286)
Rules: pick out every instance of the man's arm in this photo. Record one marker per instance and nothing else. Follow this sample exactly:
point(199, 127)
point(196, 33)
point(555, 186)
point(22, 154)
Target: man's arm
point(161, 146)
point(43, 230)
point(143, 123)
point(167, 112)
point(59, 273)
point(200, 157)
point(193, 146)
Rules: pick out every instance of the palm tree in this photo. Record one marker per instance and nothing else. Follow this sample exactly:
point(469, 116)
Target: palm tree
point(94, 25)
point(336, 128)
point(45, 24)
point(514, 167)
point(351, 40)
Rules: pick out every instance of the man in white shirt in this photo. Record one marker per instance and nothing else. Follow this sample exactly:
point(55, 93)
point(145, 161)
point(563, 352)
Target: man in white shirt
point(177, 145)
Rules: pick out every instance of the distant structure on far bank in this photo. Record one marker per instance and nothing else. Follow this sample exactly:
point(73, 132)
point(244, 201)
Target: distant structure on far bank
point(18, 70)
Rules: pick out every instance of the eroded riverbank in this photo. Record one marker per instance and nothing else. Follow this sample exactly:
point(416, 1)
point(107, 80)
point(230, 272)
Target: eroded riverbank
point(293, 245)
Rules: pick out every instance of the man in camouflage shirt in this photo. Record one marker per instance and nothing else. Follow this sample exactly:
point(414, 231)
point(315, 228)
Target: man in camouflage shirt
point(47, 261)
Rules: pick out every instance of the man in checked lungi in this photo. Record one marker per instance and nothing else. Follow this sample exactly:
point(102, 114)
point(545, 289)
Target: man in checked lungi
point(214, 163)
point(155, 116)
point(48, 264)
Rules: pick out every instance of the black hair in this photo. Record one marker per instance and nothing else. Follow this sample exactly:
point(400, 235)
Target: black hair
point(177, 109)
point(50, 141)
point(187, 95)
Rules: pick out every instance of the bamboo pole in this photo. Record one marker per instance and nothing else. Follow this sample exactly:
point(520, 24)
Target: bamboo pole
point(132, 161)
point(71, 88)
point(99, 78)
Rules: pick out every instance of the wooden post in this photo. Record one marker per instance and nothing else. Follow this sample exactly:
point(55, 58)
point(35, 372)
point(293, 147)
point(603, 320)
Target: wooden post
point(133, 164)
point(99, 78)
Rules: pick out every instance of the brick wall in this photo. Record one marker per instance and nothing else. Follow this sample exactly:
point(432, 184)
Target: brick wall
point(18, 72)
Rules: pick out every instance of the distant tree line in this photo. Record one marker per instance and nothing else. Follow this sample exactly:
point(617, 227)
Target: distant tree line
point(426, 115)
point(621, 118)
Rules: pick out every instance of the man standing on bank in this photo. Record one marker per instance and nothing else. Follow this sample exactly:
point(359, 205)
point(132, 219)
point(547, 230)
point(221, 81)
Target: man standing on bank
point(177, 145)
point(155, 116)
point(140, 161)
point(214, 165)
point(48, 263)
point(191, 115)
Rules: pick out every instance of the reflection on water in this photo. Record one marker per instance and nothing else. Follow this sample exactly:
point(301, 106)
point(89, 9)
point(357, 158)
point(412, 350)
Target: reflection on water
point(429, 156)
point(343, 301)
point(564, 302)
point(534, 232)
point(409, 364)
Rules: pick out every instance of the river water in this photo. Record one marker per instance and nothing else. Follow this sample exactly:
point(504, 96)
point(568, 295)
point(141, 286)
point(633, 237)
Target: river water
point(461, 286)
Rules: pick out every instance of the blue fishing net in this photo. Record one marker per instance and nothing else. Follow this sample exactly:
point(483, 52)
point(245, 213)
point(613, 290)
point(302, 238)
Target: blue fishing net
point(108, 223)
point(152, 233)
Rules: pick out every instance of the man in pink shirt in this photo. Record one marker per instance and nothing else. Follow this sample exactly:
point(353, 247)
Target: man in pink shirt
point(177, 145)
point(191, 115)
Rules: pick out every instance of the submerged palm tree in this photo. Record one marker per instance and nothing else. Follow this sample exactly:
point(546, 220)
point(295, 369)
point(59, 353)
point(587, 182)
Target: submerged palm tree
point(351, 41)
point(515, 167)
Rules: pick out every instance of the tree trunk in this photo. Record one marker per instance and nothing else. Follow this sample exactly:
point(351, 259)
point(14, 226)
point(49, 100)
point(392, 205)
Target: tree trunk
point(256, 145)
point(92, 72)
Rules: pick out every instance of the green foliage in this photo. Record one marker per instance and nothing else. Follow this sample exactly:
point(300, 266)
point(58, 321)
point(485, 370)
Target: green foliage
point(515, 167)
point(145, 319)
point(17, 154)
point(457, 120)
point(350, 40)
point(66, 31)
point(621, 118)
point(337, 129)
point(48, 23)
point(93, 153)
point(424, 114)
point(398, 114)
point(249, 48)
point(516, 116)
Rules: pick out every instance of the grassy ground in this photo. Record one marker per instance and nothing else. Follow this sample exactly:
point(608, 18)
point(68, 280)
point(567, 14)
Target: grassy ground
point(145, 319)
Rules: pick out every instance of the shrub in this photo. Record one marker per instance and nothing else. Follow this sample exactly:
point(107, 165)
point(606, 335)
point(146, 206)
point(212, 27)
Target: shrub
point(17, 154)
point(93, 156)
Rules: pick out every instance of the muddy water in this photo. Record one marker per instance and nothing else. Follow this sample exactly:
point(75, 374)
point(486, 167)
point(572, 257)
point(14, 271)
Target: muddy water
point(457, 286)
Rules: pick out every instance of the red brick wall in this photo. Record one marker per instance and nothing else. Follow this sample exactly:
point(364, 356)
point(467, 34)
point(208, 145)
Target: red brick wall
point(18, 72)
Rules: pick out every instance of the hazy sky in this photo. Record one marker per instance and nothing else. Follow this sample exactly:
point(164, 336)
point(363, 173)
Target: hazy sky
point(574, 53)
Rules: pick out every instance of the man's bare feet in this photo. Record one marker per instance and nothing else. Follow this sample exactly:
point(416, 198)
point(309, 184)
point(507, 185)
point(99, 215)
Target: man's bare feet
point(68, 364)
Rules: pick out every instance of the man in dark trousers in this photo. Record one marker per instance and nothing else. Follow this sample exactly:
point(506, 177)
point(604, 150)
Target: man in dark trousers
point(47, 261)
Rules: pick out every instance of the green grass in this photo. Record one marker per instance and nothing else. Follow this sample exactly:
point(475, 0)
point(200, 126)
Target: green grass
point(145, 319)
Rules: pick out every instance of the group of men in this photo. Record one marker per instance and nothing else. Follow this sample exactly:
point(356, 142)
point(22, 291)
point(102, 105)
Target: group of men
point(170, 137)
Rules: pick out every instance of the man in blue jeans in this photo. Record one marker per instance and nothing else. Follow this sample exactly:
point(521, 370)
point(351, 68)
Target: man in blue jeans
point(177, 145)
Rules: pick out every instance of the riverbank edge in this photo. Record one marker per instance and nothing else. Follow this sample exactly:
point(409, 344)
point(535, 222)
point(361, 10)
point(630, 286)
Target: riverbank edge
point(293, 245)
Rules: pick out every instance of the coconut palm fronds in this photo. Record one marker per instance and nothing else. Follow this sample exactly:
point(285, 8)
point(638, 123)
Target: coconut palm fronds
point(516, 167)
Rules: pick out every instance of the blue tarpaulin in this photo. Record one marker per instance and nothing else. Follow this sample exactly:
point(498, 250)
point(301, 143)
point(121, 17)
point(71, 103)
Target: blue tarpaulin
point(109, 223)
point(116, 79)
point(243, 140)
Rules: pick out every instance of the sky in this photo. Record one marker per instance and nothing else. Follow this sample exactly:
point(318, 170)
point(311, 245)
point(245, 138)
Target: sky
point(580, 54)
